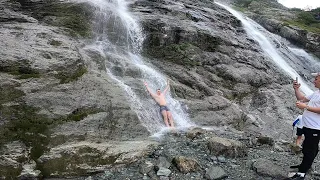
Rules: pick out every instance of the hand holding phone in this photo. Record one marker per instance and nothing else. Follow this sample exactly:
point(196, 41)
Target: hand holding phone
point(296, 85)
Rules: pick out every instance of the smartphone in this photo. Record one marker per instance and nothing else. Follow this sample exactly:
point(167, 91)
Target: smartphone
point(297, 79)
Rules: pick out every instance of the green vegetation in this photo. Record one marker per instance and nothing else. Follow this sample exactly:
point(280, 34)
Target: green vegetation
point(9, 93)
point(315, 28)
point(26, 125)
point(10, 172)
point(307, 20)
point(22, 70)
point(183, 53)
point(75, 16)
point(79, 114)
point(266, 3)
point(179, 54)
point(241, 9)
point(23, 123)
point(243, 3)
point(70, 162)
point(66, 77)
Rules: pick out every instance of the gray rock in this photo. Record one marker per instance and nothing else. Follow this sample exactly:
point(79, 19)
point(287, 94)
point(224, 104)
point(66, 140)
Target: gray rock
point(146, 167)
point(226, 147)
point(265, 140)
point(265, 167)
point(278, 148)
point(163, 172)
point(29, 171)
point(163, 162)
point(186, 165)
point(194, 133)
point(214, 158)
point(215, 173)
point(95, 156)
point(221, 159)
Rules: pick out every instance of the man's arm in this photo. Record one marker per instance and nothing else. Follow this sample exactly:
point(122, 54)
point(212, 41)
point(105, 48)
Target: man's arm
point(299, 95)
point(301, 105)
point(167, 88)
point(149, 90)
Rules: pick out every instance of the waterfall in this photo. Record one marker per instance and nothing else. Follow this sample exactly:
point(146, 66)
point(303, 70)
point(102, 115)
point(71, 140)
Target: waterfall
point(259, 34)
point(119, 38)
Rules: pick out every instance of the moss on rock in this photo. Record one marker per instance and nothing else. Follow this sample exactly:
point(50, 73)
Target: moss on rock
point(75, 16)
point(10, 172)
point(176, 53)
point(69, 76)
point(79, 114)
point(25, 125)
point(9, 93)
point(21, 69)
point(70, 163)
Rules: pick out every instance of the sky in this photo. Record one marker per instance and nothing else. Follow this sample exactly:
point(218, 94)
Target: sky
point(302, 4)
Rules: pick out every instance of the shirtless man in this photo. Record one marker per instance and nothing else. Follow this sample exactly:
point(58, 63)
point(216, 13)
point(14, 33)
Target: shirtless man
point(160, 99)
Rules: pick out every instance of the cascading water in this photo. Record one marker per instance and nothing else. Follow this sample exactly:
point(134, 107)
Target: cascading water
point(261, 35)
point(119, 39)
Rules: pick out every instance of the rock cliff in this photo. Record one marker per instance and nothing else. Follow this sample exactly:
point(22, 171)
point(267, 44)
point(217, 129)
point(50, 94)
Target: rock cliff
point(63, 115)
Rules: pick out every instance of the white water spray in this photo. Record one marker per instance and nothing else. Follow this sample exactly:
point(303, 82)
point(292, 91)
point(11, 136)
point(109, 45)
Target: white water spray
point(254, 30)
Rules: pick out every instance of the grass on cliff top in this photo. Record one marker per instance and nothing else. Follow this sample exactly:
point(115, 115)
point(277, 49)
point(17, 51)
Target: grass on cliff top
point(315, 28)
point(307, 20)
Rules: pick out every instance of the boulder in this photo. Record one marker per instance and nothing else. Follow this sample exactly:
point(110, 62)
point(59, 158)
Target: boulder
point(186, 165)
point(226, 147)
point(265, 167)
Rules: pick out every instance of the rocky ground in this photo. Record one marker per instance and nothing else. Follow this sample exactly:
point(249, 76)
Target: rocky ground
point(188, 155)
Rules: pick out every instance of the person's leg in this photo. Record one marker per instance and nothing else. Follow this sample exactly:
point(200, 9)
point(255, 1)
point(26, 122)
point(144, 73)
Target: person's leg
point(170, 118)
point(299, 136)
point(309, 149)
point(298, 140)
point(165, 117)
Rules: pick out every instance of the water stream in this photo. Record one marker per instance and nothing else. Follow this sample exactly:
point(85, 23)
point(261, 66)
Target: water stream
point(281, 55)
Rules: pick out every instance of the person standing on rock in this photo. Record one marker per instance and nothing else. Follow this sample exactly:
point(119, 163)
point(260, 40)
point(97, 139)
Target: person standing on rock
point(311, 126)
point(159, 97)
